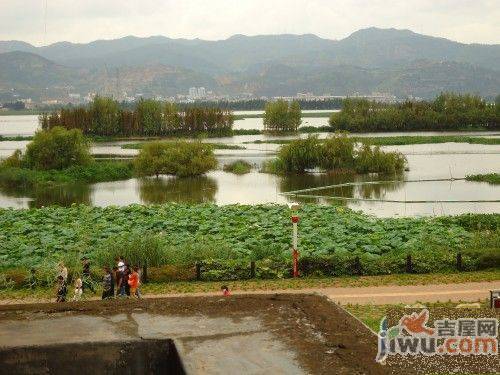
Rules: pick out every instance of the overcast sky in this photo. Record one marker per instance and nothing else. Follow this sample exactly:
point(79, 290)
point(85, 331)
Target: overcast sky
point(86, 20)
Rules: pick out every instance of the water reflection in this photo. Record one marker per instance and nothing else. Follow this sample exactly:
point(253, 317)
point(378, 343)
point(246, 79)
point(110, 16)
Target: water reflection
point(365, 191)
point(182, 190)
point(50, 195)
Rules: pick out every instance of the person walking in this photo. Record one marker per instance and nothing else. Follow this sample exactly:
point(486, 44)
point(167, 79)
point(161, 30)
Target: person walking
point(63, 271)
point(124, 287)
point(86, 279)
point(108, 284)
point(62, 290)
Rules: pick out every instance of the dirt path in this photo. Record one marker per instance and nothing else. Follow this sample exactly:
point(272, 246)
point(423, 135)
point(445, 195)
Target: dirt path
point(378, 295)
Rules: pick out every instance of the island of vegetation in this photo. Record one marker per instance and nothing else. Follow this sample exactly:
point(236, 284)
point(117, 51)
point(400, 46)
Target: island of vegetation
point(338, 152)
point(238, 167)
point(61, 156)
point(447, 112)
point(491, 178)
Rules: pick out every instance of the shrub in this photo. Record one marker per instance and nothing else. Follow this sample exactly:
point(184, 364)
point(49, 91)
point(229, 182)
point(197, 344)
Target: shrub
point(13, 161)
point(57, 148)
point(373, 160)
point(337, 152)
point(300, 154)
point(179, 158)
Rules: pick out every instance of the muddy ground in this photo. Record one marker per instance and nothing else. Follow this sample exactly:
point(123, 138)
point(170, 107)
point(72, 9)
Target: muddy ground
point(322, 337)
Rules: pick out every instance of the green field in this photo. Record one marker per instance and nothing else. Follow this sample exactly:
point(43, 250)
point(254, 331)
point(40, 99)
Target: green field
point(226, 238)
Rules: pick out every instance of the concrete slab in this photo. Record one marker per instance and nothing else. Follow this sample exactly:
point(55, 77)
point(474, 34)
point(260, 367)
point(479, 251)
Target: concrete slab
point(292, 334)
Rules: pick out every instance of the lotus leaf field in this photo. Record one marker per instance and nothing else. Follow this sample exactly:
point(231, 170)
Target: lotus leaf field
point(240, 233)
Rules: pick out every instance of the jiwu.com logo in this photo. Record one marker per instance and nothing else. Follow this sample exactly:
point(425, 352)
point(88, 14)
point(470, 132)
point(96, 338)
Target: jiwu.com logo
point(412, 336)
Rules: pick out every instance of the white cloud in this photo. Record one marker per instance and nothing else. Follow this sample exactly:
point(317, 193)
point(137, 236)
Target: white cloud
point(85, 20)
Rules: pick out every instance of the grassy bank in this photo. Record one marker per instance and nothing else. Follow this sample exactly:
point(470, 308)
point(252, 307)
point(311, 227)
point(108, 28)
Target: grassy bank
point(16, 138)
point(404, 140)
point(304, 115)
point(95, 172)
point(215, 146)
point(491, 178)
point(21, 112)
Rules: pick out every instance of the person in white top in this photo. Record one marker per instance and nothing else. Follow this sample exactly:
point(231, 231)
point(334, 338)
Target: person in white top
point(121, 264)
point(63, 271)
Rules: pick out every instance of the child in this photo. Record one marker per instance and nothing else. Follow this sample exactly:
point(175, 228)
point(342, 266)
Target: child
point(78, 289)
point(108, 284)
point(225, 291)
point(133, 282)
point(61, 289)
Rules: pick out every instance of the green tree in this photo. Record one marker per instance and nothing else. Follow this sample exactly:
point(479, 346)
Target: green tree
point(179, 158)
point(294, 116)
point(57, 148)
point(150, 117)
point(105, 117)
point(280, 116)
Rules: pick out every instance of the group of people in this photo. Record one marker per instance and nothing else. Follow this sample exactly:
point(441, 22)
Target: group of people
point(121, 280)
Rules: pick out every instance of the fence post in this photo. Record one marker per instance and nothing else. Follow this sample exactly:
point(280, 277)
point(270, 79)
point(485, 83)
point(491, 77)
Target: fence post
point(409, 264)
point(252, 269)
point(198, 271)
point(459, 262)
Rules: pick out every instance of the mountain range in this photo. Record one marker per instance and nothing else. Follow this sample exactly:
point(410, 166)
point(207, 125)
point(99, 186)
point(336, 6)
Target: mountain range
point(399, 62)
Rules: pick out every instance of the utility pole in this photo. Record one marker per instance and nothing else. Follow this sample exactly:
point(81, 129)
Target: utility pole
point(295, 252)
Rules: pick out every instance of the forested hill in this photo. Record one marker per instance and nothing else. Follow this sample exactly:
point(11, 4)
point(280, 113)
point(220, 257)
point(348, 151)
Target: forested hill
point(397, 61)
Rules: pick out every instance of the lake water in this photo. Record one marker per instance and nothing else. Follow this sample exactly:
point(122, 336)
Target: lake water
point(433, 161)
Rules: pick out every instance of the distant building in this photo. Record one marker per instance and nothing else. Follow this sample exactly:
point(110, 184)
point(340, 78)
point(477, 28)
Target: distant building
point(197, 93)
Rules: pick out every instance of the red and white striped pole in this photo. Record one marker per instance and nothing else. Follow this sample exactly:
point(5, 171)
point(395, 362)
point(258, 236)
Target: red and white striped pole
point(295, 252)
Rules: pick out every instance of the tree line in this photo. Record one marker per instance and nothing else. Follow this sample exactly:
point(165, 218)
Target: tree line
point(105, 117)
point(447, 112)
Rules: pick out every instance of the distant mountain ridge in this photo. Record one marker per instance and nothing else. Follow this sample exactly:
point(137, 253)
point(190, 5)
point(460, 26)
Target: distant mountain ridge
point(369, 59)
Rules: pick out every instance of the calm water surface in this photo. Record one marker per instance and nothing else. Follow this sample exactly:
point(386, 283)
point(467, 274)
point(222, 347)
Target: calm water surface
point(425, 161)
